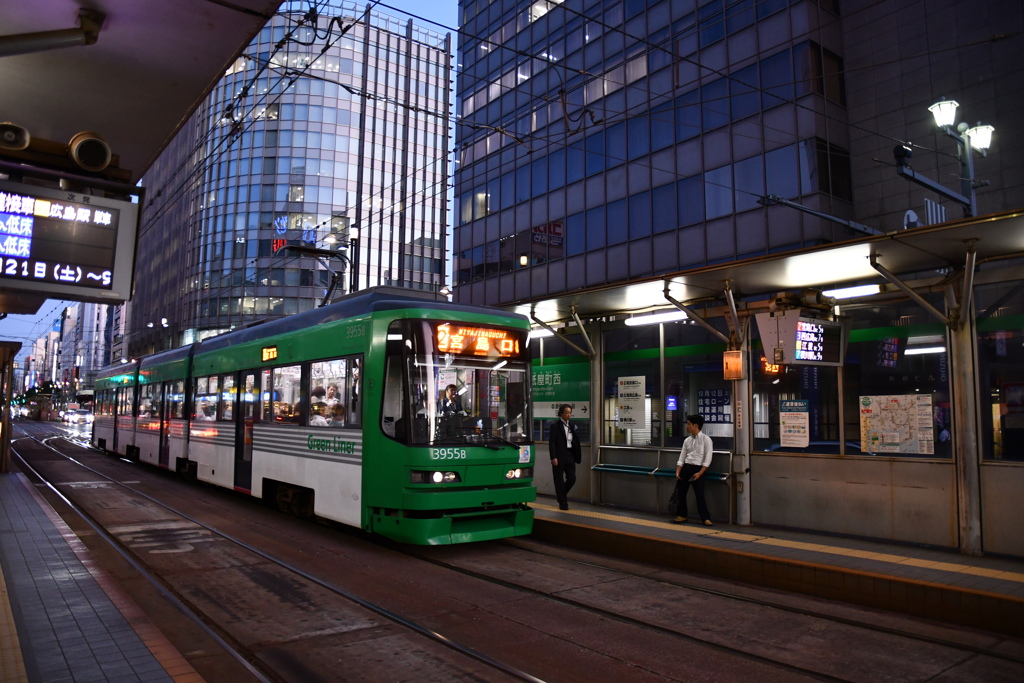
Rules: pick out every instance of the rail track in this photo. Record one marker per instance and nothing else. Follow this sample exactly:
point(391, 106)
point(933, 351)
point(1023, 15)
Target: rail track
point(523, 610)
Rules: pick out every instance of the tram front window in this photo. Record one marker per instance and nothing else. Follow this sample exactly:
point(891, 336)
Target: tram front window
point(452, 383)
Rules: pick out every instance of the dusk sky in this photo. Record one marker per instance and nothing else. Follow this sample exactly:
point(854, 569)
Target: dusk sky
point(27, 328)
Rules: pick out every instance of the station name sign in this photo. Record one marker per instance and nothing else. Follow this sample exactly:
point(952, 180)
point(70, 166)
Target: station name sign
point(73, 245)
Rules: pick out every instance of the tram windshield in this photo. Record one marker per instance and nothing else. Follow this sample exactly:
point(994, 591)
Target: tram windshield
point(451, 382)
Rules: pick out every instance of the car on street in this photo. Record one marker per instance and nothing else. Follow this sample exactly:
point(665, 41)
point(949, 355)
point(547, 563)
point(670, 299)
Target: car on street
point(78, 417)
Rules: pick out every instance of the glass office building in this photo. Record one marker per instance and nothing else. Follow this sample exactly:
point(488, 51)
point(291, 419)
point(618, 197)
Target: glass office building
point(609, 140)
point(329, 132)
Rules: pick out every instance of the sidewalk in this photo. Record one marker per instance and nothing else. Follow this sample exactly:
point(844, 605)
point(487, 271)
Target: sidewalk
point(62, 618)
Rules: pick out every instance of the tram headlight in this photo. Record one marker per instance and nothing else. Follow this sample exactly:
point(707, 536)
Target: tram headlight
point(520, 473)
point(433, 477)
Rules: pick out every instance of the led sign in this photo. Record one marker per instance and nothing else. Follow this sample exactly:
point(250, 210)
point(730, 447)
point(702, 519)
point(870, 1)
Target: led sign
point(269, 353)
point(817, 341)
point(466, 340)
point(793, 339)
point(77, 246)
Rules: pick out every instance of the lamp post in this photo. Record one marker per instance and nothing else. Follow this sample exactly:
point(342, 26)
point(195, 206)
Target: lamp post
point(353, 256)
point(978, 138)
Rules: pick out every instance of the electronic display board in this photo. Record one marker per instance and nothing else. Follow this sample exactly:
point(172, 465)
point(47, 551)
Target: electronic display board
point(67, 244)
point(790, 338)
point(473, 340)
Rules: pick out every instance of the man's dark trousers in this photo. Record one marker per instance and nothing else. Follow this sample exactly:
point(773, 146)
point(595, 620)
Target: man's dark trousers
point(564, 474)
point(683, 484)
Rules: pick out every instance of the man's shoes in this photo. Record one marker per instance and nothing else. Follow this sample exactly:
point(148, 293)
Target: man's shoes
point(563, 506)
point(679, 520)
point(707, 522)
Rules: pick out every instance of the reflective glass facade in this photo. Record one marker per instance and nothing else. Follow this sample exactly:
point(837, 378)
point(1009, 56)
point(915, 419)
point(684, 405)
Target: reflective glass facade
point(328, 133)
point(611, 140)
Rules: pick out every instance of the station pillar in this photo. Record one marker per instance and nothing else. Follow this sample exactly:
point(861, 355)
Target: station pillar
point(743, 423)
point(7, 353)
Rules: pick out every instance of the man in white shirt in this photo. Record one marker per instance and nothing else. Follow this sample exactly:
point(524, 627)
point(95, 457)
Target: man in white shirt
point(694, 460)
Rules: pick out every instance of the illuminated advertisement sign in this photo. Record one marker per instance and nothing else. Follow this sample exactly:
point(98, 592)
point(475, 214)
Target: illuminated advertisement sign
point(467, 340)
point(74, 245)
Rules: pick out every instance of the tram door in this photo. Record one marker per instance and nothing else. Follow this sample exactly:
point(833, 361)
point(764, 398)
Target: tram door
point(248, 405)
point(165, 425)
point(120, 396)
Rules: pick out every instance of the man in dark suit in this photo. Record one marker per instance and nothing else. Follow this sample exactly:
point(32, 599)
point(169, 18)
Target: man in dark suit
point(564, 449)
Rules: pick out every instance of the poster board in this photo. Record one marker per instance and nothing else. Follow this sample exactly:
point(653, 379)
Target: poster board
point(897, 424)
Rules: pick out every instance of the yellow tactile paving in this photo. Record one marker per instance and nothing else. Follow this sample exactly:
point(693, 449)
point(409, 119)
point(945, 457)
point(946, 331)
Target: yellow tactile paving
point(798, 545)
point(12, 666)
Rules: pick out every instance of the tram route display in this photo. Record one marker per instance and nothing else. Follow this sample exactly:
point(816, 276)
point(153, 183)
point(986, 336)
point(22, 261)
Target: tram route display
point(66, 243)
point(790, 338)
point(336, 413)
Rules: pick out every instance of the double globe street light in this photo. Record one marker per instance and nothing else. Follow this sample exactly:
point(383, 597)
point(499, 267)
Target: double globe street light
point(978, 138)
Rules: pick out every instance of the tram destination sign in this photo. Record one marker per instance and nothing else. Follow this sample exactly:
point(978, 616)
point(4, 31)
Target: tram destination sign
point(790, 338)
point(463, 339)
point(67, 244)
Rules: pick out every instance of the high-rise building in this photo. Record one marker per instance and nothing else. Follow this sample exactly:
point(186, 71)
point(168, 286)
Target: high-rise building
point(607, 141)
point(83, 348)
point(330, 133)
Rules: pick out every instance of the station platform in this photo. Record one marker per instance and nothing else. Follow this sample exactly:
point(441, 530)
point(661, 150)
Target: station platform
point(936, 583)
point(62, 618)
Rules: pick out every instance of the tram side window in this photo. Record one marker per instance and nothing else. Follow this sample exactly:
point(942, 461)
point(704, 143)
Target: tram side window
point(392, 421)
point(331, 383)
point(227, 397)
point(248, 392)
point(124, 400)
point(176, 395)
point(205, 399)
point(103, 403)
point(146, 392)
point(286, 394)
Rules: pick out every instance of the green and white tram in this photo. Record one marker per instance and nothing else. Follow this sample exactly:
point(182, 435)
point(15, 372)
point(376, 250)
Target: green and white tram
point(337, 412)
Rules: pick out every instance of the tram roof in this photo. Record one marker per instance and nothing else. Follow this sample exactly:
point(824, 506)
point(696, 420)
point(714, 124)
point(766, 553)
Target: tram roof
point(904, 253)
point(362, 302)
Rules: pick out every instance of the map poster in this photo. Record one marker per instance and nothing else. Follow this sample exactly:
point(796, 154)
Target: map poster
point(794, 424)
point(897, 424)
point(632, 392)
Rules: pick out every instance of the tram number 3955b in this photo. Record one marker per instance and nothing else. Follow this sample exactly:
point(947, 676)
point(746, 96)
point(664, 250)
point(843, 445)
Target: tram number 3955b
point(447, 453)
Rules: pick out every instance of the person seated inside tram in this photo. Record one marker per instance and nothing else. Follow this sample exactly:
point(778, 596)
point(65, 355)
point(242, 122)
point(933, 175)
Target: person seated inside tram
point(338, 415)
point(332, 397)
point(316, 415)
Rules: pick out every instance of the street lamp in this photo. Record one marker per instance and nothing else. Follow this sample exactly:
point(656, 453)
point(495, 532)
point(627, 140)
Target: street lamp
point(978, 138)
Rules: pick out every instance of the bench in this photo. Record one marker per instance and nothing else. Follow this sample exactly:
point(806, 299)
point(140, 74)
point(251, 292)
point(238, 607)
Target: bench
point(657, 472)
point(665, 473)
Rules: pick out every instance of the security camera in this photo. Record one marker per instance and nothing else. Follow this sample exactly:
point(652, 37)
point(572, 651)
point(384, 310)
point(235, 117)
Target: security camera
point(89, 151)
point(13, 136)
point(901, 153)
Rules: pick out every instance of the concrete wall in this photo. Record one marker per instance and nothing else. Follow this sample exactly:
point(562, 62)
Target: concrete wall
point(912, 501)
point(1002, 508)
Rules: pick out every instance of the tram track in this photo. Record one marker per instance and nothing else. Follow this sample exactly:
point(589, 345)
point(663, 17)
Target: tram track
point(600, 601)
point(231, 645)
point(778, 602)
